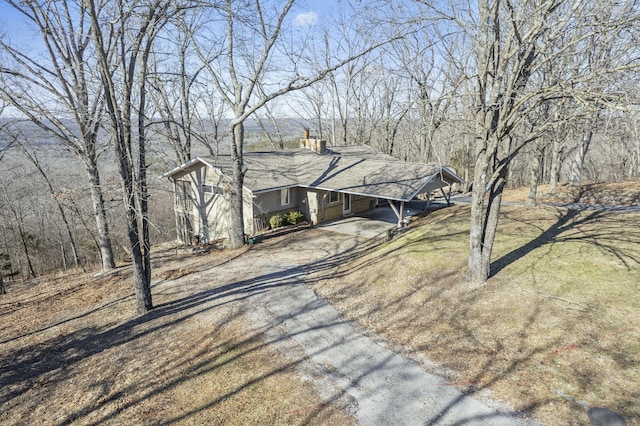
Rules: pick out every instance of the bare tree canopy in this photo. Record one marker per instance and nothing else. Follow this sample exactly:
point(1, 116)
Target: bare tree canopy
point(505, 91)
point(258, 58)
point(511, 46)
point(54, 86)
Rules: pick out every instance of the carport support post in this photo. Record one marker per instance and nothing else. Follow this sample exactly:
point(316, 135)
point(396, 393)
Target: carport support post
point(399, 214)
point(447, 196)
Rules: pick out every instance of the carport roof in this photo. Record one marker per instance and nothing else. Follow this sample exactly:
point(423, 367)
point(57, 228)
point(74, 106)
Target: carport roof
point(348, 169)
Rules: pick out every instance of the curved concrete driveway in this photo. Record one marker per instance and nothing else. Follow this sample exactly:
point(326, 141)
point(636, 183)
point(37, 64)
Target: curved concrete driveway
point(378, 386)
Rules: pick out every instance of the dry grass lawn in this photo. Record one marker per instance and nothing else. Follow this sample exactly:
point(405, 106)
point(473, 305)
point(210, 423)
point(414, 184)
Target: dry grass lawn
point(73, 353)
point(556, 327)
point(625, 193)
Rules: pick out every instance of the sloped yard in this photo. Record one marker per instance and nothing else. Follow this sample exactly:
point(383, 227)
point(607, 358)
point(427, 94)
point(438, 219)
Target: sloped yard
point(556, 329)
point(73, 352)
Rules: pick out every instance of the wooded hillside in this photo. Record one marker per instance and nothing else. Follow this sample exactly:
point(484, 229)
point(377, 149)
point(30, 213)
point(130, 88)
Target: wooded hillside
point(113, 94)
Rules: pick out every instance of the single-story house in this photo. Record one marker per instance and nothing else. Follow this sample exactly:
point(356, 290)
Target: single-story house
point(322, 183)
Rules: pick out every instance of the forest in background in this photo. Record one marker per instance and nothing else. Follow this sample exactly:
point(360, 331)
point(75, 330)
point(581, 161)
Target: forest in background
point(506, 95)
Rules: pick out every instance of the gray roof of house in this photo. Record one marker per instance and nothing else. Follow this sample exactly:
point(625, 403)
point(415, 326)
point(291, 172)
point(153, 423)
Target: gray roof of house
point(350, 169)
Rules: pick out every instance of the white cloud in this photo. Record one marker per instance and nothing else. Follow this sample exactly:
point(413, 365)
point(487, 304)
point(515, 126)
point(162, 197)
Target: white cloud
point(307, 19)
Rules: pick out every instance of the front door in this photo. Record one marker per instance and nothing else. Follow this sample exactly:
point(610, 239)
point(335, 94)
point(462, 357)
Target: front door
point(346, 203)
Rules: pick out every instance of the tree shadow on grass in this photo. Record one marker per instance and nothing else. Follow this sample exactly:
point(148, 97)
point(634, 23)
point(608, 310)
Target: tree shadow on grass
point(50, 362)
point(51, 359)
point(503, 356)
point(610, 231)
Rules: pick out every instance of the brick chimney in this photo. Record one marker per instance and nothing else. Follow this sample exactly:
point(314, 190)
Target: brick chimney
point(317, 145)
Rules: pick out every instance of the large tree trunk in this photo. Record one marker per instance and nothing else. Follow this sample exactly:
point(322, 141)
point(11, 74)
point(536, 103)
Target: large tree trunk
point(139, 257)
point(139, 249)
point(236, 221)
point(477, 270)
point(484, 222)
point(492, 215)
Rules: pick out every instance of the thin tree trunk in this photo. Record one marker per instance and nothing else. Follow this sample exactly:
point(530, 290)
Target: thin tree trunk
point(25, 246)
point(577, 166)
point(236, 221)
point(34, 160)
point(635, 162)
point(534, 177)
point(554, 172)
point(142, 266)
point(63, 251)
point(99, 211)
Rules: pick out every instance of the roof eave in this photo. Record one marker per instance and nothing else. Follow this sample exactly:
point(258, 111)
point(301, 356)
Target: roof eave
point(188, 164)
point(346, 191)
point(454, 177)
point(275, 188)
point(181, 167)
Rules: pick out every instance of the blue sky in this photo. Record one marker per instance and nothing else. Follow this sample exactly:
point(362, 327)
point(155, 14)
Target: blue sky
point(308, 13)
point(13, 24)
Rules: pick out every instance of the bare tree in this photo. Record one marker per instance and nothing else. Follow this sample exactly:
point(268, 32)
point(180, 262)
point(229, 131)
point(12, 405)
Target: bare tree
point(270, 129)
point(5, 265)
point(18, 215)
point(55, 90)
point(3, 125)
point(391, 112)
point(633, 144)
point(124, 35)
point(343, 102)
point(32, 156)
point(588, 129)
point(174, 82)
point(434, 81)
point(511, 44)
point(253, 49)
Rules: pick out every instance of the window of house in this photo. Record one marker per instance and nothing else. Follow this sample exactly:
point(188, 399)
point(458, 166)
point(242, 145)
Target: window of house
point(334, 197)
point(210, 189)
point(285, 196)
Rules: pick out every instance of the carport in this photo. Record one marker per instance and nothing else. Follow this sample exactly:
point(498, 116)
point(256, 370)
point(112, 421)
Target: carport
point(376, 223)
point(389, 182)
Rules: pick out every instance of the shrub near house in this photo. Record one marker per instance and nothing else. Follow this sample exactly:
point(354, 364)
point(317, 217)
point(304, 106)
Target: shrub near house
point(290, 218)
